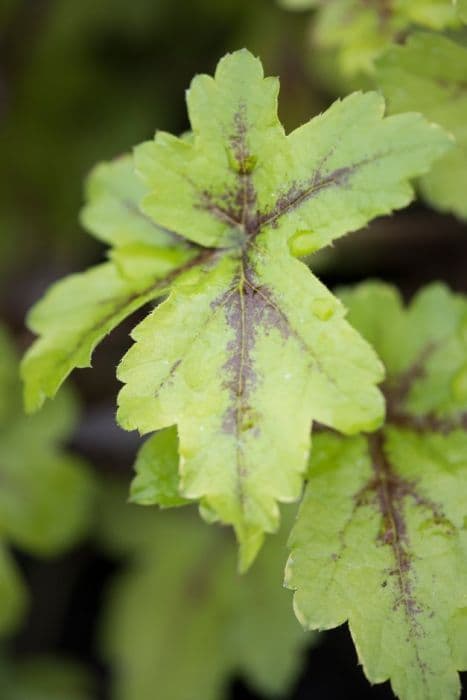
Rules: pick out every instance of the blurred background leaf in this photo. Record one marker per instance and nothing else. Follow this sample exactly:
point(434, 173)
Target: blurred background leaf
point(180, 621)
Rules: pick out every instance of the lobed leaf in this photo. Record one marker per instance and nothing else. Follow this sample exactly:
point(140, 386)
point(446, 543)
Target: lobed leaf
point(380, 539)
point(249, 347)
point(249, 344)
point(429, 74)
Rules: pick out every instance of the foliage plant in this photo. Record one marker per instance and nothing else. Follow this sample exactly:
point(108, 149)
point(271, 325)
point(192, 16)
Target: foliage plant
point(248, 351)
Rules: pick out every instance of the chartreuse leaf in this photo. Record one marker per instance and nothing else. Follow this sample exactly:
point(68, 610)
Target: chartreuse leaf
point(380, 540)
point(429, 74)
point(250, 347)
point(204, 623)
point(44, 678)
point(79, 311)
point(112, 212)
point(74, 316)
point(360, 31)
point(45, 494)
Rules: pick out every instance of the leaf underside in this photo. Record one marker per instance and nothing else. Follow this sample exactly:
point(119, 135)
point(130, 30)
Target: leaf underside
point(249, 347)
point(380, 539)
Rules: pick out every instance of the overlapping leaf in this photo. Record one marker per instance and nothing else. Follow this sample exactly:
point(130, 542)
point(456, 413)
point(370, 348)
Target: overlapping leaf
point(359, 31)
point(380, 539)
point(180, 622)
point(429, 74)
point(45, 494)
point(249, 347)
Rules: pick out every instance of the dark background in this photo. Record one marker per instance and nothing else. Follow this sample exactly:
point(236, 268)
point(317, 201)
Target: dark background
point(82, 81)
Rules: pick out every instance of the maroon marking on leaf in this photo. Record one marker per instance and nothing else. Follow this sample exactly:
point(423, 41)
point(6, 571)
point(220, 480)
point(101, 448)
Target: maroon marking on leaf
point(397, 392)
point(237, 207)
point(302, 192)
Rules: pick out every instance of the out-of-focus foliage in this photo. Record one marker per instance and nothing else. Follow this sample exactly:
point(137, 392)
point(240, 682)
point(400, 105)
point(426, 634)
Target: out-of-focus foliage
point(359, 31)
point(44, 678)
point(46, 494)
point(429, 75)
point(180, 621)
point(81, 81)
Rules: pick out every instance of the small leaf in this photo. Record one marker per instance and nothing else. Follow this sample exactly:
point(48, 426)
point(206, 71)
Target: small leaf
point(429, 74)
point(157, 479)
point(380, 538)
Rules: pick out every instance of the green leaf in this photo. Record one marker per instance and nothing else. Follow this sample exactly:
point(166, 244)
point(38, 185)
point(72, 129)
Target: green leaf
point(112, 212)
point(45, 494)
point(204, 624)
point(250, 346)
point(429, 74)
point(77, 313)
point(157, 479)
point(360, 31)
point(380, 540)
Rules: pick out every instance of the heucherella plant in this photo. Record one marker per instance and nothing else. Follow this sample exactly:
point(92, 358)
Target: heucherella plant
point(249, 348)
point(381, 537)
point(46, 494)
